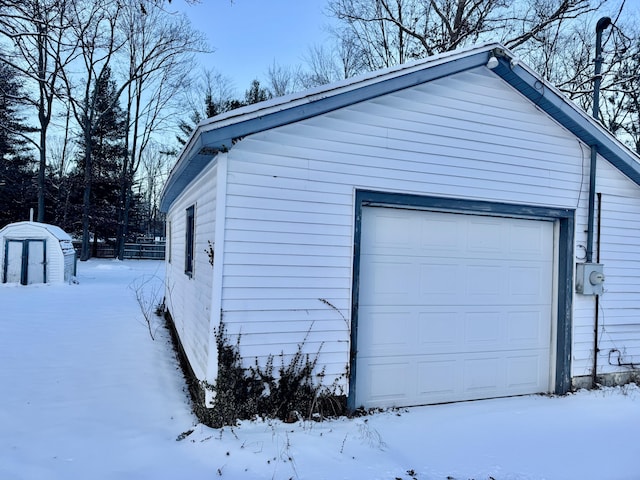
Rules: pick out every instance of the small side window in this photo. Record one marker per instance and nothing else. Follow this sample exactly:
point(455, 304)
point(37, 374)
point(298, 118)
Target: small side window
point(190, 237)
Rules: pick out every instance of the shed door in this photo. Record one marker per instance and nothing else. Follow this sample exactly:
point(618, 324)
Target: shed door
point(36, 261)
point(25, 261)
point(452, 307)
point(13, 261)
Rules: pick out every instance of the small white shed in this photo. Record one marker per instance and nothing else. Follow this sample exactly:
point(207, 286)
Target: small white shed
point(32, 252)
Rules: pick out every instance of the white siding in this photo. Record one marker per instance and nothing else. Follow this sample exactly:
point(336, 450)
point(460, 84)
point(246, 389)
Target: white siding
point(188, 298)
point(290, 198)
point(619, 312)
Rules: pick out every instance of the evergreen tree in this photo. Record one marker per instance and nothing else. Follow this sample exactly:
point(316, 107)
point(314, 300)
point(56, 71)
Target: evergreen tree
point(215, 106)
point(107, 152)
point(188, 126)
point(18, 192)
point(256, 93)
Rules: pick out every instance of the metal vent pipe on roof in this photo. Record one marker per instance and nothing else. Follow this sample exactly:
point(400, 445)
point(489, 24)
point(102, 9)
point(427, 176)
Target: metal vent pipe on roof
point(602, 24)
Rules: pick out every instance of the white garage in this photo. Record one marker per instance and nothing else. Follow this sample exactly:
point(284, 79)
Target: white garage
point(453, 307)
point(419, 231)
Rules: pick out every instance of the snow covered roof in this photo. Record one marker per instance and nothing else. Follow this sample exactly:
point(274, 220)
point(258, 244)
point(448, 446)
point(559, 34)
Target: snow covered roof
point(57, 232)
point(221, 132)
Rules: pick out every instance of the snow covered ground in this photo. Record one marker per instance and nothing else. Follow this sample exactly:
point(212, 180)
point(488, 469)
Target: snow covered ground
point(86, 394)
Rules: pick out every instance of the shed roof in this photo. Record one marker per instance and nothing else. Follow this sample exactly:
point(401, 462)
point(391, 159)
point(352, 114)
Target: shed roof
point(57, 232)
point(221, 132)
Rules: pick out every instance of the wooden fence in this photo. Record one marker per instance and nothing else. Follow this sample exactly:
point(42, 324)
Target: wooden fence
point(136, 251)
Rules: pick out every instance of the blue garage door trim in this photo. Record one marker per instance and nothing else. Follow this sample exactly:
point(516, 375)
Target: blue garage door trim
point(565, 219)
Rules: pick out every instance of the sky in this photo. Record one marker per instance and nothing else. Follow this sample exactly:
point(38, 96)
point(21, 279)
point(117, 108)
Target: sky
point(247, 36)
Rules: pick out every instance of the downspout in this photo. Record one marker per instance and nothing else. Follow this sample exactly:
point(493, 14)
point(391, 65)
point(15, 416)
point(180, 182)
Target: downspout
point(596, 326)
point(602, 24)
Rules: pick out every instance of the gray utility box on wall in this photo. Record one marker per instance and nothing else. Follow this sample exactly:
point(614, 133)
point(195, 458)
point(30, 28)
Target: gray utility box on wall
point(589, 278)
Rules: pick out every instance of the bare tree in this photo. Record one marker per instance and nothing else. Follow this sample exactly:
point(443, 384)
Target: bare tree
point(218, 93)
point(155, 47)
point(566, 58)
point(36, 31)
point(379, 29)
point(159, 48)
point(148, 292)
point(620, 90)
point(389, 32)
point(326, 65)
point(93, 27)
point(205, 95)
point(322, 68)
point(61, 151)
point(154, 172)
point(282, 80)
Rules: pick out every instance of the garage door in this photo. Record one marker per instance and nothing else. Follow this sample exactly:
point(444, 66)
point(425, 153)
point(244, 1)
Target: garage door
point(452, 307)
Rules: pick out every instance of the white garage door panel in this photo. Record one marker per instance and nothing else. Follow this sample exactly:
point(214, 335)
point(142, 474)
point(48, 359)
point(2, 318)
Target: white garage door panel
point(415, 330)
point(396, 389)
point(401, 282)
point(458, 306)
point(450, 377)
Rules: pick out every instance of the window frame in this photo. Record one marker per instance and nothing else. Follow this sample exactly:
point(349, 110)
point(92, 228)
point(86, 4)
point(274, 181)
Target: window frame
point(190, 240)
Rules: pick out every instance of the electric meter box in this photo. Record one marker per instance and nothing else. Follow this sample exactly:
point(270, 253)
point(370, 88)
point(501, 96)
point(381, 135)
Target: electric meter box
point(589, 278)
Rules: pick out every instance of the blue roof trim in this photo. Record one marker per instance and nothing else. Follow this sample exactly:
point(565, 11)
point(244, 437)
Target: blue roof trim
point(209, 143)
point(206, 144)
point(569, 116)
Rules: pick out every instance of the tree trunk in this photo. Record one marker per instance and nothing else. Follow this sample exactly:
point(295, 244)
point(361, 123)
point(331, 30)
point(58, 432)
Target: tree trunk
point(41, 173)
point(129, 169)
point(85, 254)
point(42, 116)
point(94, 249)
point(125, 221)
